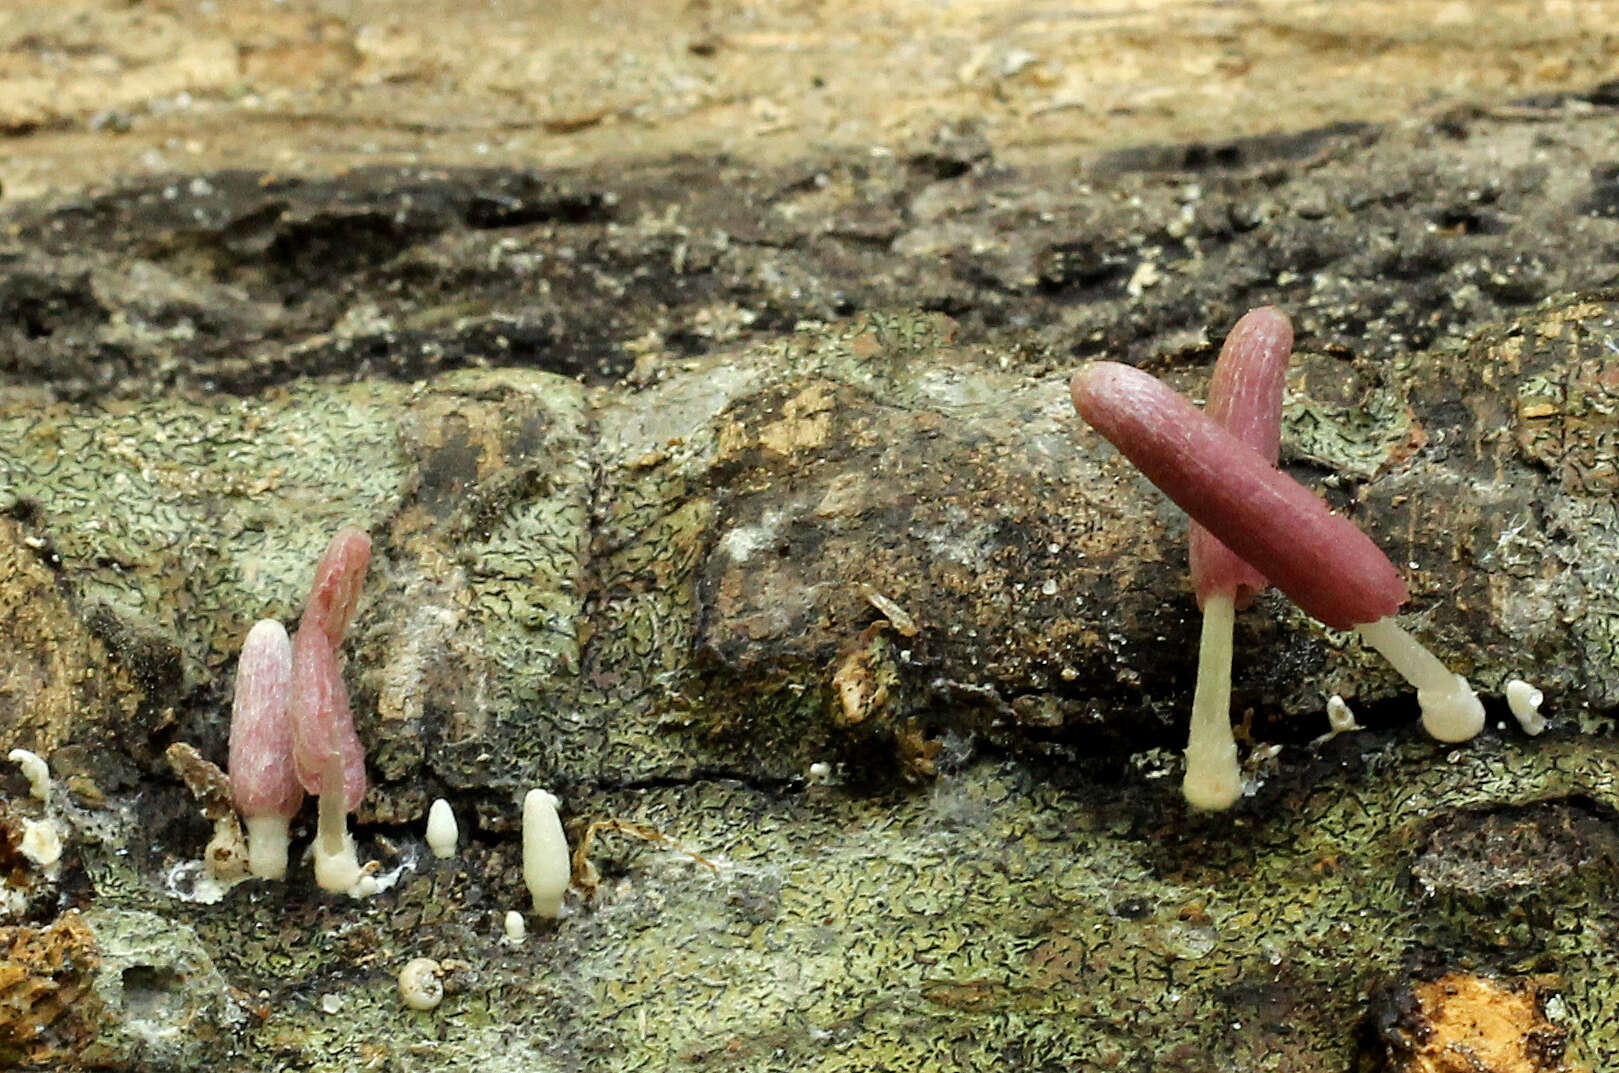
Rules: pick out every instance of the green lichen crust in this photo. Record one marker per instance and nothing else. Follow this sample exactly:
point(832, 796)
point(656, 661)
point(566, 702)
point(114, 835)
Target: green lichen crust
point(164, 1004)
point(1006, 912)
point(844, 546)
point(869, 546)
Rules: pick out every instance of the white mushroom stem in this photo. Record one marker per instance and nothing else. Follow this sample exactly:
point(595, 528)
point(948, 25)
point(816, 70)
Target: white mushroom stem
point(442, 830)
point(1213, 776)
point(546, 868)
point(267, 839)
point(1450, 709)
point(337, 865)
point(1525, 700)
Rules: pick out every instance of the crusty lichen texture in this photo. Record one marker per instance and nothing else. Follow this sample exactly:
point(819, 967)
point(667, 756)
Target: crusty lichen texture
point(641, 598)
point(1007, 907)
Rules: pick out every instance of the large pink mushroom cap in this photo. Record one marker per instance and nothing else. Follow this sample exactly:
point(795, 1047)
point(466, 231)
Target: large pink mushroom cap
point(1321, 562)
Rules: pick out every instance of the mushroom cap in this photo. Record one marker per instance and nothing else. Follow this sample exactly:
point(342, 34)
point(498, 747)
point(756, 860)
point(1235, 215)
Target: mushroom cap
point(339, 577)
point(262, 779)
point(321, 720)
point(1321, 562)
point(1245, 398)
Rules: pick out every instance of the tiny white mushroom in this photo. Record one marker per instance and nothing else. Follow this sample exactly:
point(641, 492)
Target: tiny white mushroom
point(35, 770)
point(419, 984)
point(1340, 717)
point(546, 869)
point(41, 842)
point(442, 831)
point(515, 926)
point(1524, 700)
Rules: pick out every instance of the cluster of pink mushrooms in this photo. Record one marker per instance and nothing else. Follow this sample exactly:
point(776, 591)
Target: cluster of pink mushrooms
point(292, 732)
point(291, 729)
point(1254, 525)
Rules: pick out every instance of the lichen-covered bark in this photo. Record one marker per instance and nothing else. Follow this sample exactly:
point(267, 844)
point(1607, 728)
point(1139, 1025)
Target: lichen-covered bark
point(877, 542)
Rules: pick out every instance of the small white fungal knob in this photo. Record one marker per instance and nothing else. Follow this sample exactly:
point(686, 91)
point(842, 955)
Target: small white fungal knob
point(515, 927)
point(546, 869)
point(419, 984)
point(35, 770)
point(41, 842)
point(442, 831)
point(1340, 717)
point(1524, 700)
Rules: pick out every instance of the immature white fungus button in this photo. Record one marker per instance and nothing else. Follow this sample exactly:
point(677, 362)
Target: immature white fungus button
point(35, 770)
point(442, 831)
point(41, 842)
point(546, 869)
point(1340, 717)
point(419, 984)
point(515, 926)
point(1524, 700)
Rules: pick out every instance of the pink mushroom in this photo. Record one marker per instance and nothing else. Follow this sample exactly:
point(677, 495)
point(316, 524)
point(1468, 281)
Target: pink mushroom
point(326, 751)
point(1245, 396)
point(263, 784)
point(1321, 562)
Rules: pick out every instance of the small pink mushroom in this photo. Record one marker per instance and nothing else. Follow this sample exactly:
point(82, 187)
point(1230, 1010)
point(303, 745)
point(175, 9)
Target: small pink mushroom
point(264, 786)
point(326, 751)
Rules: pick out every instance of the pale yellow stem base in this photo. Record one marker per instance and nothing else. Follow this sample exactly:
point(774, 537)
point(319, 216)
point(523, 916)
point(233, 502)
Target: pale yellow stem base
point(337, 864)
point(267, 839)
point(1213, 776)
point(1450, 709)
